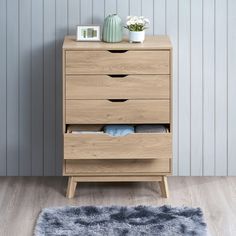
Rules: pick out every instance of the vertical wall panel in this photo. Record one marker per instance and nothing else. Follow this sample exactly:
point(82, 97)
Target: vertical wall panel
point(73, 16)
point(86, 12)
point(49, 87)
point(123, 9)
point(123, 12)
point(196, 88)
point(135, 7)
point(110, 7)
point(61, 31)
point(231, 87)
point(221, 88)
point(12, 88)
point(98, 12)
point(37, 87)
point(172, 30)
point(25, 88)
point(184, 87)
point(208, 88)
point(3, 87)
point(160, 16)
point(203, 38)
point(147, 11)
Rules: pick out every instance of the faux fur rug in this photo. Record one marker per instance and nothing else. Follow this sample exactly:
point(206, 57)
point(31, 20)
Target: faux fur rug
point(121, 221)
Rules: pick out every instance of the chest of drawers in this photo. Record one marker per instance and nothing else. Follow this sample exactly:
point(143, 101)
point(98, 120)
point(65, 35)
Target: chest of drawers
point(119, 83)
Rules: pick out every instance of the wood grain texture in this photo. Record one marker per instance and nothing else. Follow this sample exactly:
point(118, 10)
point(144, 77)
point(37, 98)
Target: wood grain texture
point(117, 167)
point(3, 88)
point(108, 112)
point(103, 146)
point(105, 62)
point(164, 187)
point(125, 178)
point(128, 87)
point(37, 193)
point(155, 42)
point(71, 187)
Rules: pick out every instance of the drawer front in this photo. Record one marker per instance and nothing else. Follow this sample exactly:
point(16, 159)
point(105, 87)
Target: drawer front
point(108, 112)
point(103, 146)
point(118, 87)
point(117, 167)
point(127, 62)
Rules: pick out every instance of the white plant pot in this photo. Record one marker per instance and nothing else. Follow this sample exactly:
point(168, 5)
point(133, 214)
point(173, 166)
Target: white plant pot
point(136, 36)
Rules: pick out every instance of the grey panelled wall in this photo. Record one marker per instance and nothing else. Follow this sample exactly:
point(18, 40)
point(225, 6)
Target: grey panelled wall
point(203, 33)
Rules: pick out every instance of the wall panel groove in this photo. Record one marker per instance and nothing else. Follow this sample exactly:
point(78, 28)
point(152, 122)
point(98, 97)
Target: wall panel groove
point(204, 55)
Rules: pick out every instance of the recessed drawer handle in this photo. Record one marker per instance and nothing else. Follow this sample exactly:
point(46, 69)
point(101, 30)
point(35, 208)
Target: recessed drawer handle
point(117, 51)
point(117, 76)
point(117, 100)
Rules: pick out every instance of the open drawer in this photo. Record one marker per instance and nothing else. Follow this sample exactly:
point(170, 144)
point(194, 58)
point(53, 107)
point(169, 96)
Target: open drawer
point(117, 167)
point(132, 146)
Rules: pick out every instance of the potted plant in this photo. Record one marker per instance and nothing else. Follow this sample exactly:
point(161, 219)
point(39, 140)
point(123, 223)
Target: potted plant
point(136, 26)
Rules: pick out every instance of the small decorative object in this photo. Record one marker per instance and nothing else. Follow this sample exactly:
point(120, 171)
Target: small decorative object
point(88, 33)
point(112, 29)
point(136, 26)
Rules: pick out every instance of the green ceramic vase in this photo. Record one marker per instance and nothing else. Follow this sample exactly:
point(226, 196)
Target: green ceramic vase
point(112, 29)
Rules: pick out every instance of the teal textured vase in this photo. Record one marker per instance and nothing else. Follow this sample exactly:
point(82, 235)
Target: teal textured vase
point(112, 29)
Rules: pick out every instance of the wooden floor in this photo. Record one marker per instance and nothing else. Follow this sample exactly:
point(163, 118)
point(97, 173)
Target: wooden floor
point(22, 198)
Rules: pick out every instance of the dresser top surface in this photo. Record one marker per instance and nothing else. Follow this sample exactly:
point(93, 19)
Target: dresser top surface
point(150, 43)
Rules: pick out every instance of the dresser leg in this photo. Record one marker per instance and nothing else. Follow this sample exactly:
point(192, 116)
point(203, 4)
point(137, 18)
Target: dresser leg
point(71, 187)
point(164, 187)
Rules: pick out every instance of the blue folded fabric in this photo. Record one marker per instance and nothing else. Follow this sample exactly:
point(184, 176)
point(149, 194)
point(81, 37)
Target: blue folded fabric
point(118, 130)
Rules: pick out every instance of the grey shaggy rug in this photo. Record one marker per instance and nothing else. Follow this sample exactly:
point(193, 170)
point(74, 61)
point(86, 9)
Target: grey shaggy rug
point(121, 221)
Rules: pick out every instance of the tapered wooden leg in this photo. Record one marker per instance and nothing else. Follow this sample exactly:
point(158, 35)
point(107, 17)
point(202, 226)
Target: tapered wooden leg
point(71, 187)
point(164, 187)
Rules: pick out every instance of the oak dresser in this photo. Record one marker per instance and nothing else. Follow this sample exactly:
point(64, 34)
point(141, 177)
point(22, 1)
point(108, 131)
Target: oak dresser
point(116, 83)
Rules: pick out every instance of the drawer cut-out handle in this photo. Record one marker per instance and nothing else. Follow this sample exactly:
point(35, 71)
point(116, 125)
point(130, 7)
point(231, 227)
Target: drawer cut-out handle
point(117, 76)
point(117, 51)
point(117, 100)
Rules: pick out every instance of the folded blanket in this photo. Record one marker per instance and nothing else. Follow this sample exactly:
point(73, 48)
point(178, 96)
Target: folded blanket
point(118, 130)
point(87, 132)
point(151, 129)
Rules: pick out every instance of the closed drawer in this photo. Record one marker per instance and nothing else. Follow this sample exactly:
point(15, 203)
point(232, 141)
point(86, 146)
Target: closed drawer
point(103, 146)
point(118, 87)
point(127, 62)
point(117, 167)
point(110, 112)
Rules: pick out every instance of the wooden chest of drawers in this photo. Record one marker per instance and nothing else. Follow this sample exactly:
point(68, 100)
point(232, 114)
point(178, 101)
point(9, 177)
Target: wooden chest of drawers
point(119, 83)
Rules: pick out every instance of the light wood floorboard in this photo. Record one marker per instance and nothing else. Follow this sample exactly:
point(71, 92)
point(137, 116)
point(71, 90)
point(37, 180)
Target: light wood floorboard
point(22, 198)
